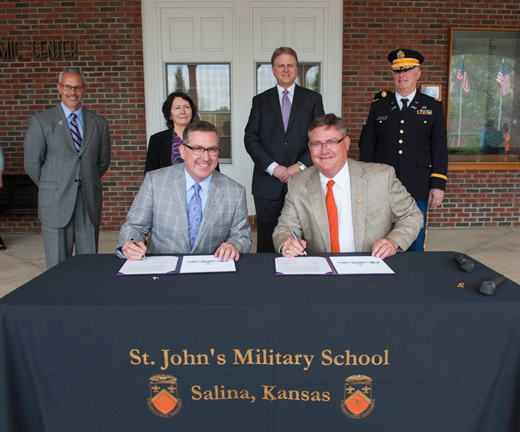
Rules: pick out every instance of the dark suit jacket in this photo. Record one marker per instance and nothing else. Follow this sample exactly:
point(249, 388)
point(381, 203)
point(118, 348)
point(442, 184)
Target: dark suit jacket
point(53, 163)
point(267, 142)
point(159, 153)
point(414, 143)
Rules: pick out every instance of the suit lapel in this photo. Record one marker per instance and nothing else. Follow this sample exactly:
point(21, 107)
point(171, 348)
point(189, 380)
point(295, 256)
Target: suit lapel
point(87, 129)
point(319, 208)
point(275, 105)
point(63, 127)
point(178, 197)
point(215, 196)
point(359, 198)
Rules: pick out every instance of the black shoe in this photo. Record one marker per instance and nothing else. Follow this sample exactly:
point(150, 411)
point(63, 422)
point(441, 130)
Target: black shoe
point(2, 247)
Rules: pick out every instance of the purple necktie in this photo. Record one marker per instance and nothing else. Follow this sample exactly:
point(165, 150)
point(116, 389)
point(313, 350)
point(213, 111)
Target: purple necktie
point(286, 109)
point(76, 137)
point(194, 214)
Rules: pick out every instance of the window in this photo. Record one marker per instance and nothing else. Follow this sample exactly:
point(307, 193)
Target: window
point(308, 73)
point(209, 87)
point(483, 117)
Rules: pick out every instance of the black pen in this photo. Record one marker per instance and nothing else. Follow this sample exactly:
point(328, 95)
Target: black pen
point(133, 241)
point(298, 240)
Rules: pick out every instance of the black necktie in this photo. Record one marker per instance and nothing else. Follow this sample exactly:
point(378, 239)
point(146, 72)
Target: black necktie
point(405, 104)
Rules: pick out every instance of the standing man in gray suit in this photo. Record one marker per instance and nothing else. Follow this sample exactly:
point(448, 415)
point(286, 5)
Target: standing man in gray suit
point(340, 205)
point(276, 139)
point(188, 208)
point(67, 151)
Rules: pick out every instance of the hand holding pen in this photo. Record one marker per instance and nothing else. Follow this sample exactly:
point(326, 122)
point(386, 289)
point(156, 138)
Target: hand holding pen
point(293, 246)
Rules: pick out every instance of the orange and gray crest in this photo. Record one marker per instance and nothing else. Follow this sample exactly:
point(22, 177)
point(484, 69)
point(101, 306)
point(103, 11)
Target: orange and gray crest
point(357, 402)
point(164, 398)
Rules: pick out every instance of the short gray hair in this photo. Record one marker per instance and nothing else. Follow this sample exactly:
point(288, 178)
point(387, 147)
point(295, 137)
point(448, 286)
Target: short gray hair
point(328, 120)
point(74, 71)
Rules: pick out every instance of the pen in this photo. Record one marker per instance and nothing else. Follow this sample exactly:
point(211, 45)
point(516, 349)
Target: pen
point(298, 240)
point(133, 241)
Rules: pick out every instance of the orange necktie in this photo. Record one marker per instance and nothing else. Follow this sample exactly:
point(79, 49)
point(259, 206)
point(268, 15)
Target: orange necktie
point(332, 212)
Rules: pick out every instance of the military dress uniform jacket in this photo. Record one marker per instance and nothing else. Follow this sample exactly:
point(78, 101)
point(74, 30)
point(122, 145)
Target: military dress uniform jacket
point(413, 142)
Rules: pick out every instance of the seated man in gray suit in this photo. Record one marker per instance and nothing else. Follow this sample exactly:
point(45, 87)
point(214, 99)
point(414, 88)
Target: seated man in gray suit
point(188, 208)
point(340, 205)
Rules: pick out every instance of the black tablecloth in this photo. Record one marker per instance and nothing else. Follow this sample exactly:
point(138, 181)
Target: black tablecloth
point(77, 345)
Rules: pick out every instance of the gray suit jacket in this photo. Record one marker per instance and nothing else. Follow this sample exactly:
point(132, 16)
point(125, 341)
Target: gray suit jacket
point(378, 200)
point(53, 163)
point(160, 209)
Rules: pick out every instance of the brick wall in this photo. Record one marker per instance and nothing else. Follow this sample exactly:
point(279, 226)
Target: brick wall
point(479, 199)
point(108, 37)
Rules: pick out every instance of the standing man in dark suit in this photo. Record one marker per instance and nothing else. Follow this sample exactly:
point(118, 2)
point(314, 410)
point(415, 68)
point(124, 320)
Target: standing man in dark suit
point(407, 130)
point(67, 151)
point(276, 139)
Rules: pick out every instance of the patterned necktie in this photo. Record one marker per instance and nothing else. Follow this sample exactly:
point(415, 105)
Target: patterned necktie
point(286, 109)
point(332, 212)
point(405, 104)
point(76, 137)
point(194, 214)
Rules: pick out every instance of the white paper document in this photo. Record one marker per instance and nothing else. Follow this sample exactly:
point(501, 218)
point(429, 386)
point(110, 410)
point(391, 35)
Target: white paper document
point(206, 264)
point(150, 265)
point(302, 265)
point(360, 265)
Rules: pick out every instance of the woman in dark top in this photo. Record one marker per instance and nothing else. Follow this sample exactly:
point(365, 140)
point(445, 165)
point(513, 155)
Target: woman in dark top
point(163, 149)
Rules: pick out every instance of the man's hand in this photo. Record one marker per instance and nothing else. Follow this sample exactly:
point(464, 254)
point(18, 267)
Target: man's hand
point(227, 251)
point(293, 169)
point(292, 248)
point(436, 197)
point(279, 171)
point(133, 252)
point(384, 248)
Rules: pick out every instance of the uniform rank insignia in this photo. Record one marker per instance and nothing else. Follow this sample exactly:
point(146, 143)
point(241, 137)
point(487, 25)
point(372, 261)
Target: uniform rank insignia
point(383, 94)
point(424, 112)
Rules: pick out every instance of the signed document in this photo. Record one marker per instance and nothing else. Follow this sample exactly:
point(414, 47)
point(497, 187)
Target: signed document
point(346, 265)
point(302, 265)
point(206, 264)
point(150, 265)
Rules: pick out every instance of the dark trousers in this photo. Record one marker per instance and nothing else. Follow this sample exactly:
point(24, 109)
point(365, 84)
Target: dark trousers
point(267, 214)
point(420, 242)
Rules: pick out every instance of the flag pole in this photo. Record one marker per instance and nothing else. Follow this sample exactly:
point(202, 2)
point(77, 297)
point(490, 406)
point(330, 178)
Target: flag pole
point(500, 109)
point(460, 109)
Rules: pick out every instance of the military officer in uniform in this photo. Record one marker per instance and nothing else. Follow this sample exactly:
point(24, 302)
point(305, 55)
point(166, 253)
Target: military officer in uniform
point(407, 130)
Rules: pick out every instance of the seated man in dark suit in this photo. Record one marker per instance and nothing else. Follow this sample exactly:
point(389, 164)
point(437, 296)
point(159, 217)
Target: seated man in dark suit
point(188, 208)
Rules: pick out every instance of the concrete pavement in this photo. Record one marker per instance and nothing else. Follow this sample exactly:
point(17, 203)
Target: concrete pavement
point(498, 248)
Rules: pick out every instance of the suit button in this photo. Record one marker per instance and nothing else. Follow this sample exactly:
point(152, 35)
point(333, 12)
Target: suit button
point(402, 121)
point(425, 121)
point(400, 141)
point(380, 121)
point(284, 143)
point(76, 180)
point(401, 131)
point(400, 152)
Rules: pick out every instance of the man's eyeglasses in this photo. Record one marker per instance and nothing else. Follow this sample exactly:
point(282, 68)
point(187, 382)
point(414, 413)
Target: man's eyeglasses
point(75, 88)
point(329, 144)
point(199, 151)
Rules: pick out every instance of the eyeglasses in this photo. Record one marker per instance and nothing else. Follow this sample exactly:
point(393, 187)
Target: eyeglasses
point(199, 151)
point(75, 88)
point(329, 144)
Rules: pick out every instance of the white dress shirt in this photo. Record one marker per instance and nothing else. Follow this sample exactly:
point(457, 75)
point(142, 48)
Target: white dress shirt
point(342, 196)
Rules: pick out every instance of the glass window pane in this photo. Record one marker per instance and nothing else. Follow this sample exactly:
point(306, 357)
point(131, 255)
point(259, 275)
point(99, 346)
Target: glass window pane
point(209, 87)
point(482, 118)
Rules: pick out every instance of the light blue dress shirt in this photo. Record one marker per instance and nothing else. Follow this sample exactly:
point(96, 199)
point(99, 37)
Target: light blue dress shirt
point(79, 120)
point(204, 189)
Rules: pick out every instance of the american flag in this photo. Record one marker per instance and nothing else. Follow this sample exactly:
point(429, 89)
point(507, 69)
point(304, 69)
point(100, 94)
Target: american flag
point(503, 80)
point(462, 76)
